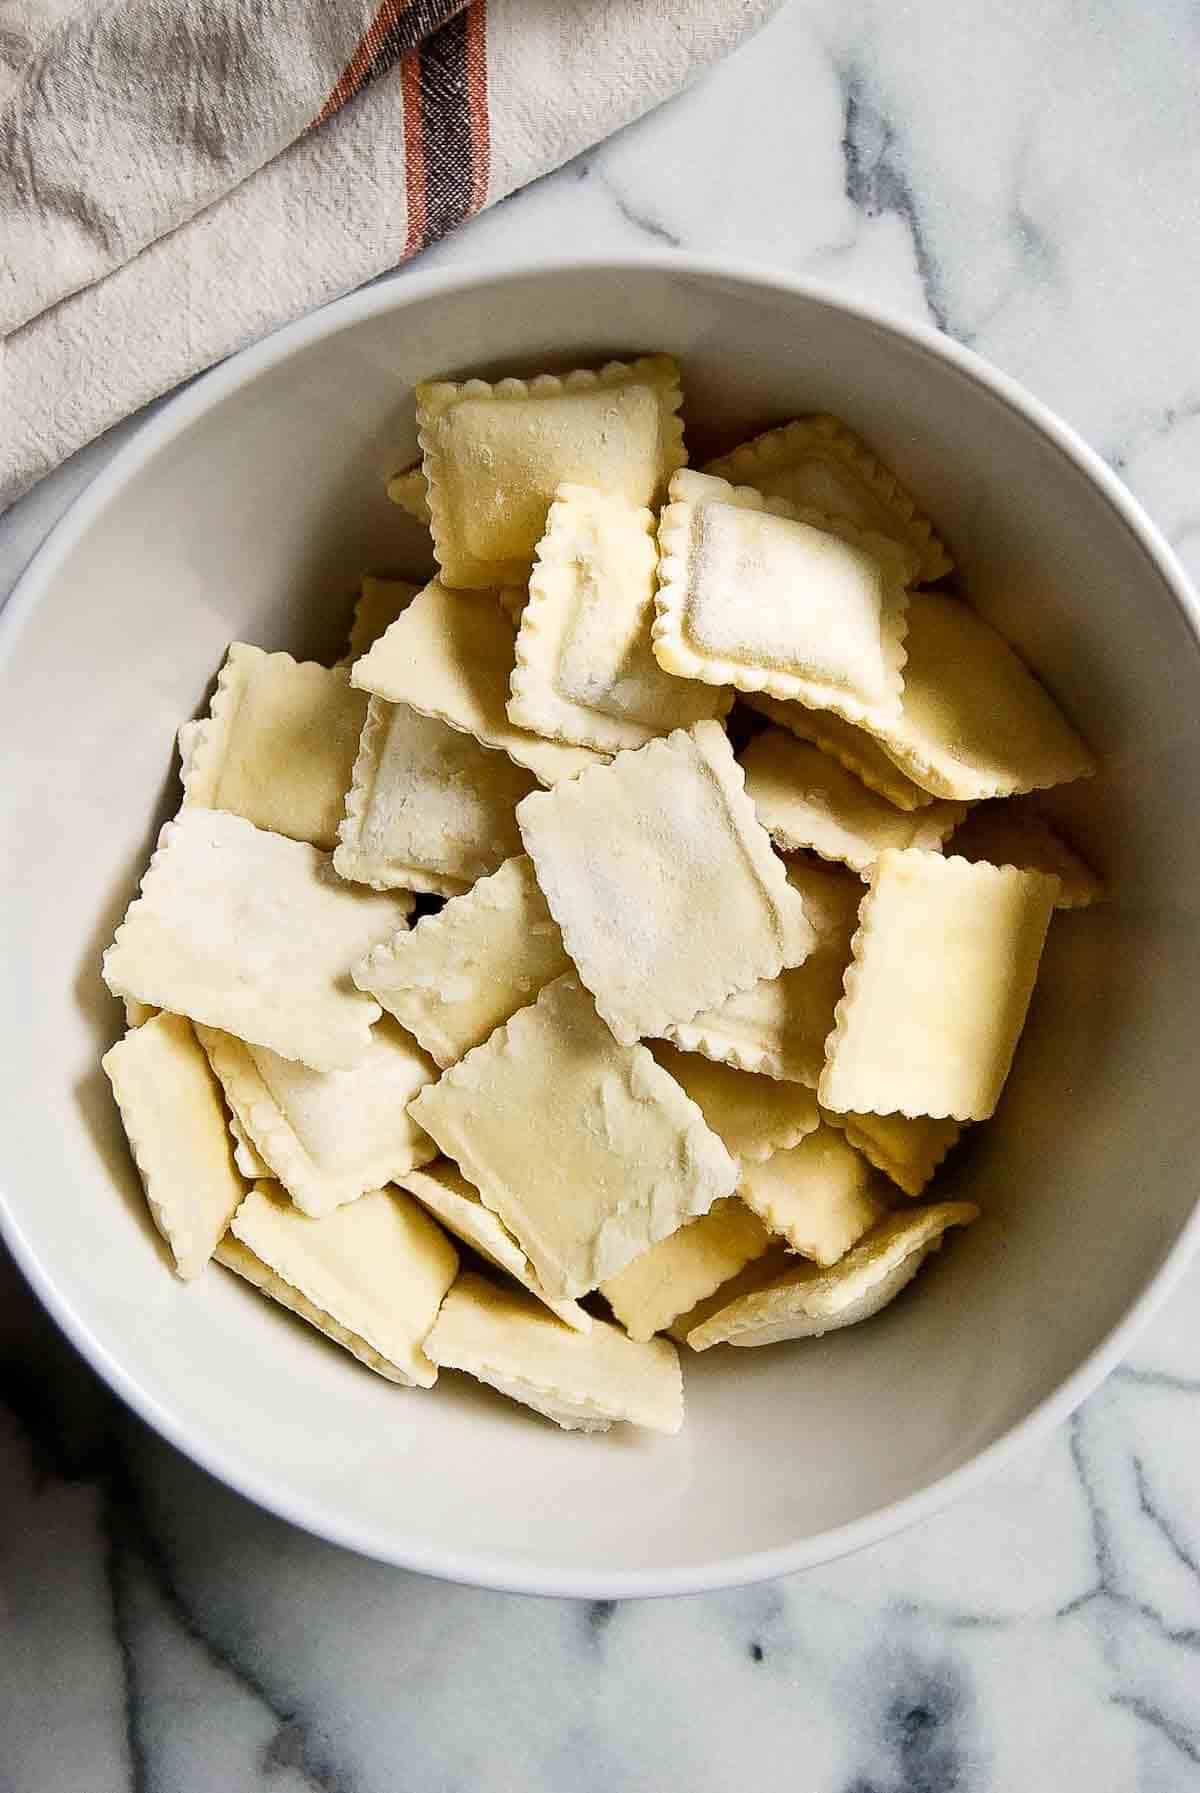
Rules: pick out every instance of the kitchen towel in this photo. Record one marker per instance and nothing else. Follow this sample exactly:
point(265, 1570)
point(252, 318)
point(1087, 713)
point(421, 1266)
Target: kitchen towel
point(178, 177)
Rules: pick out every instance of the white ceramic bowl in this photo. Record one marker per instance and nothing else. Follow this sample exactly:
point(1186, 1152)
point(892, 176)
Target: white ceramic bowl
point(246, 510)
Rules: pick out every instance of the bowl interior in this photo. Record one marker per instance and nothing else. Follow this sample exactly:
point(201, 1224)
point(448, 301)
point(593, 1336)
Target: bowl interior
point(260, 504)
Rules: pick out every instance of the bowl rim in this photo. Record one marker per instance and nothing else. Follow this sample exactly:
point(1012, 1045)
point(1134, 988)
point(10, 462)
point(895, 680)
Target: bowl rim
point(489, 1569)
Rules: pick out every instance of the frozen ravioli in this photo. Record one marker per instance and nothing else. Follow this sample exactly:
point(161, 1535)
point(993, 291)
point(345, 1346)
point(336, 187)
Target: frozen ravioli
point(379, 603)
point(906, 1148)
point(175, 1122)
point(974, 721)
point(428, 808)
point(587, 1150)
point(806, 1301)
point(755, 594)
point(664, 882)
point(278, 745)
point(494, 456)
point(585, 669)
point(584, 1382)
point(370, 1276)
point(755, 1116)
point(945, 960)
point(851, 747)
point(779, 1026)
point(821, 1196)
point(328, 1136)
point(805, 799)
point(457, 976)
point(408, 490)
point(450, 656)
point(442, 1188)
point(821, 463)
point(1008, 832)
point(516, 923)
point(675, 1274)
point(252, 933)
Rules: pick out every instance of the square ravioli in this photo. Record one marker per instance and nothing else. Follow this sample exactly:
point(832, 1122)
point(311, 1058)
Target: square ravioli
point(252, 933)
point(1009, 832)
point(755, 1116)
point(443, 1189)
point(974, 722)
point(821, 1196)
point(174, 1119)
point(663, 881)
point(670, 1278)
point(908, 1149)
point(328, 1136)
point(820, 463)
point(755, 594)
point(585, 668)
point(804, 798)
point(370, 1276)
point(585, 1148)
point(451, 655)
point(428, 807)
point(245, 1156)
point(851, 747)
point(584, 1382)
point(278, 745)
point(806, 1300)
point(944, 965)
point(407, 490)
point(457, 976)
point(759, 1273)
point(778, 1027)
point(380, 602)
point(494, 456)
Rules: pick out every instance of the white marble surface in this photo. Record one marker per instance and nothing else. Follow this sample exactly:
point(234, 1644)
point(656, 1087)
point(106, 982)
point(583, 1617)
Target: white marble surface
point(1029, 178)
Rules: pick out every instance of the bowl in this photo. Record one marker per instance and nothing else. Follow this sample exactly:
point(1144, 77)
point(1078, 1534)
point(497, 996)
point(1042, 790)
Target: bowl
point(246, 510)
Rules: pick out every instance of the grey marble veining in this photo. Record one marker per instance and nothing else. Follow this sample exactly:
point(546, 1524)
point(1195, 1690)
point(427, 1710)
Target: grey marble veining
point(1028, 178)
point(161, 1633)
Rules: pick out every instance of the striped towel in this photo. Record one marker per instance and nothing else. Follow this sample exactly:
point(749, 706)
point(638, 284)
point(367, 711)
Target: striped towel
point(179, 176)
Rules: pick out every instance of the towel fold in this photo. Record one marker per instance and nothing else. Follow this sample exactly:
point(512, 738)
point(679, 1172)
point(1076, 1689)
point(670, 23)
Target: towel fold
point(178, 177)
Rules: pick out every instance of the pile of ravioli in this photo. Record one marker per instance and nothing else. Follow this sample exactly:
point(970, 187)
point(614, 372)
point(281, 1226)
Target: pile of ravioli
point(604, 955)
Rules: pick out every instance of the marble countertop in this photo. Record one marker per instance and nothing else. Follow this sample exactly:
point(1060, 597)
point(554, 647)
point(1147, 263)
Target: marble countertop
point(1028, 178)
